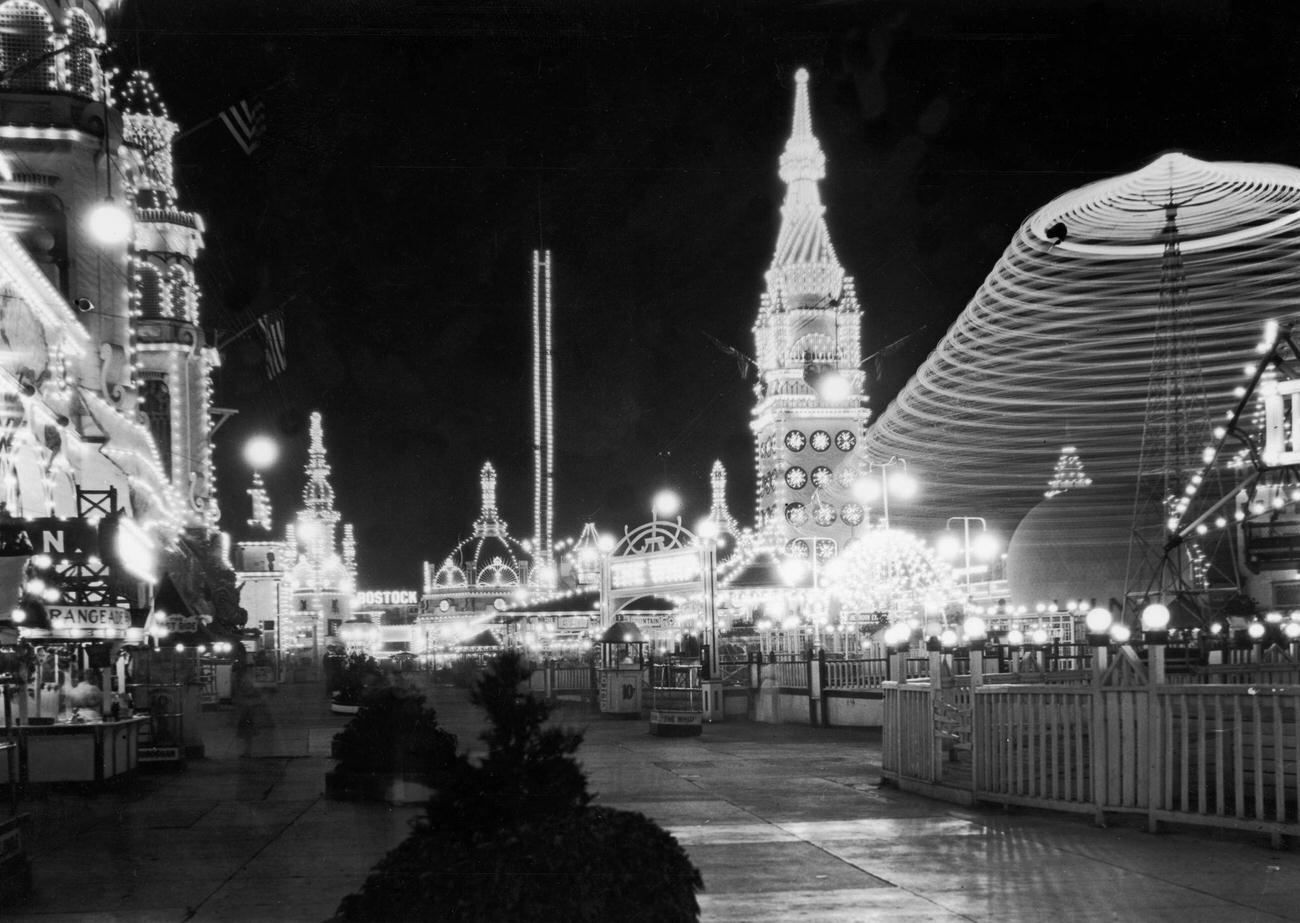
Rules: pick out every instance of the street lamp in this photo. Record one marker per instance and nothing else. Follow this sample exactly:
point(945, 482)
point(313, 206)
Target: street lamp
point(666, 504)
point(984, 545)
point(867, 490)
point(261, 452)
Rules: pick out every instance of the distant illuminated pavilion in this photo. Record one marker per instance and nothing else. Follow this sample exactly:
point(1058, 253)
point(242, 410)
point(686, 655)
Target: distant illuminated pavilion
point(1056, 346)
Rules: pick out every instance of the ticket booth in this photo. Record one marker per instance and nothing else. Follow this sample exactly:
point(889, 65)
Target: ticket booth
point(622, 664)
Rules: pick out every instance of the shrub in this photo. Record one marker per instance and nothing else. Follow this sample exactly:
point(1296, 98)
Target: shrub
point(515, 838)
point(359, 673)
point(395, 732)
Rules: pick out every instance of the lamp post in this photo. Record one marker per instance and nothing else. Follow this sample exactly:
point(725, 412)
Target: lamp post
point(867, 489)
point(666, 504)
point(984, 545)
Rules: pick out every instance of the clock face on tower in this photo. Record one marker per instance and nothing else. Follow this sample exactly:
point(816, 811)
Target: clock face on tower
point(795, 440)
point(822, 476)
point(845, 441)
point(796, 477)
point(820, 440)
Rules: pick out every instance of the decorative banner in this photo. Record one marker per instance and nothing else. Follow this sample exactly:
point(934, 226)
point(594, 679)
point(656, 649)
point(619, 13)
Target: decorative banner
point(88, 619)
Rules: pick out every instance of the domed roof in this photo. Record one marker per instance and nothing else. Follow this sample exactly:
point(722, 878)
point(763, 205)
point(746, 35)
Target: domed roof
point(1056, 347)
point(490, 557)
point(1072, 546)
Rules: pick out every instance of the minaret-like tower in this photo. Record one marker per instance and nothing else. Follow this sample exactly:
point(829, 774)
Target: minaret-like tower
point(543, 407)
point(489, 522)
point(718, 511)
point(323, 579)
point(174, 361)
point(810, 410)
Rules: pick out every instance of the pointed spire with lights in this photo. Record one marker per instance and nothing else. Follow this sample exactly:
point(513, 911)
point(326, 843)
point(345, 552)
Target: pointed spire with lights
point(804, 262)
point(718, 512)
point(317, 494)
point(261, 515)
point(489, 521)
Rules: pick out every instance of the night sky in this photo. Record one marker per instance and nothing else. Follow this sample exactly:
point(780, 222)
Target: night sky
point(417, 152)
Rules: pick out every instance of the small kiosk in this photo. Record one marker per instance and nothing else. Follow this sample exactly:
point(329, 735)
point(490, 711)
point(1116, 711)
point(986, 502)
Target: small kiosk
point(622, 664)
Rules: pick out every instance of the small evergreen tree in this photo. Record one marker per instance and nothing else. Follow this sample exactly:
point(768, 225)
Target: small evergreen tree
point(516, 838)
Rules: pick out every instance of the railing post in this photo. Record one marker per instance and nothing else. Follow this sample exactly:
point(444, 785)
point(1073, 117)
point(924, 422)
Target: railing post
point(1097, 735)
point(821, 688)
point(814, 687)
point(976, 668)
point(1155, 752)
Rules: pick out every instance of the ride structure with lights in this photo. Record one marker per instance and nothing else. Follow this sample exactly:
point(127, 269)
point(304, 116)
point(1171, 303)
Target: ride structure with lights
point(810, 413)
point(1056, 348)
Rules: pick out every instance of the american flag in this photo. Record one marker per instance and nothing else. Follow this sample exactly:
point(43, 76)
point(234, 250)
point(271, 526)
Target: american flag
point(247, 122)
point(271, 326)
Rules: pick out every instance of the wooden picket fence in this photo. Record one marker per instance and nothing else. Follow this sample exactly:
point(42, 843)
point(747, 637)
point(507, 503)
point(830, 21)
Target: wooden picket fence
point(1215, 746)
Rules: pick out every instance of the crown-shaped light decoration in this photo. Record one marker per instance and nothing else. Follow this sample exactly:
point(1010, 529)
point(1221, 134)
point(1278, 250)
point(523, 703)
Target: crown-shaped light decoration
point(1068, 473)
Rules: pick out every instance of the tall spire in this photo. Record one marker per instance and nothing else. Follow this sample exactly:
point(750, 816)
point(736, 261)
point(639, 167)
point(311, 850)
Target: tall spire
point(804, 262)
point(489, 520)
point(718, 512)
point(317, 494)
point(543, 405)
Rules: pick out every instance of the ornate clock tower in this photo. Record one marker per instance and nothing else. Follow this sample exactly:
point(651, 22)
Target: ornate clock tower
point(810, 411)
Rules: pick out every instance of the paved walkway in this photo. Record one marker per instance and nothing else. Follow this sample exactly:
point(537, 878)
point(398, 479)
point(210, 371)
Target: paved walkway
point(785, 823)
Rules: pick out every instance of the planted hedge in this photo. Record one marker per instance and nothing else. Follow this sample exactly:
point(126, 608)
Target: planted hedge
point(514, 837)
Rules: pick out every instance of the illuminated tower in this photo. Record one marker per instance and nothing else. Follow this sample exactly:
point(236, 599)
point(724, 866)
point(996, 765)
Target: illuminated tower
point(718, 511)
point(543, 407)
point(323, 578)
point(174, 361)
point(810, 411)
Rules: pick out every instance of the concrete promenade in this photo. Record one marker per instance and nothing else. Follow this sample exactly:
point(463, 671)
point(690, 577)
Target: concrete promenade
point(785, 823)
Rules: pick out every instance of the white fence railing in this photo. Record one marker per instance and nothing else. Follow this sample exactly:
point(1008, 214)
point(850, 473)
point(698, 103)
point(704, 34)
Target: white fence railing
point(1221, 754)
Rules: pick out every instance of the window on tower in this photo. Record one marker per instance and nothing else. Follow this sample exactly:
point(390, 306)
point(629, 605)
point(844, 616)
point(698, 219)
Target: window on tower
point(155, 398)
point(26, 33)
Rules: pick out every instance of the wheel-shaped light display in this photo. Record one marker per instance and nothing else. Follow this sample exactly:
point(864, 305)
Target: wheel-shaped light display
point(795, 477)
point(795, 440)
point(820, 440)
point(824, 514)
point(822, 476)
point(845, 440)
point(796, 514)
point(852, 514)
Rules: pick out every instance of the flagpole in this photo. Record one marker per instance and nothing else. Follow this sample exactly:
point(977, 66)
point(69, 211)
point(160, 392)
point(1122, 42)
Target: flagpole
point(242, 330)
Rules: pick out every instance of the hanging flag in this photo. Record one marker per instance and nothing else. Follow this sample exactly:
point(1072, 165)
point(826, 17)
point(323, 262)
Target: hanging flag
point(271, 326)
point(247, 122)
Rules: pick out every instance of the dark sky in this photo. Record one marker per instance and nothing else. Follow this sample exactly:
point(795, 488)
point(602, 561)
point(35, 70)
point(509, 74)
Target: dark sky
point(417, 152)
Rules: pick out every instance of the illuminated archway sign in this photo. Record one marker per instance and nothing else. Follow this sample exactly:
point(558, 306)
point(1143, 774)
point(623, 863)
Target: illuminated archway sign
point(658, 558)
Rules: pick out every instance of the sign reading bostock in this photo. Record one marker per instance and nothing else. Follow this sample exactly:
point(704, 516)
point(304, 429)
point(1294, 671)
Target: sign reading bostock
point(387, 598)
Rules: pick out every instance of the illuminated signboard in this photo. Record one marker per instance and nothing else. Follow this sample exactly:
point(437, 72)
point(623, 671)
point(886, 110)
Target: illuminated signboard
point(88, 619)
point(655, 570)
point(388, 598)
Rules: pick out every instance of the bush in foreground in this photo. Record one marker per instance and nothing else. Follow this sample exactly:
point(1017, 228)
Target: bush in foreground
point(395, 732)
point(515, 837)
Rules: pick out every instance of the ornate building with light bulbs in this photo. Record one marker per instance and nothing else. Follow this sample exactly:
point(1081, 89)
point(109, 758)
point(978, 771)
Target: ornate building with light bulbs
point(300, 589)
point(810, 411)
point(106, 379)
